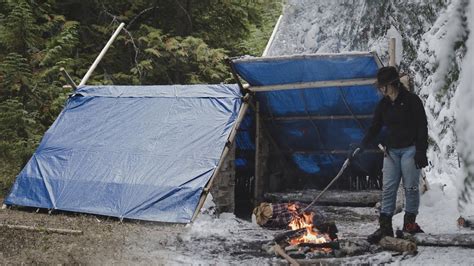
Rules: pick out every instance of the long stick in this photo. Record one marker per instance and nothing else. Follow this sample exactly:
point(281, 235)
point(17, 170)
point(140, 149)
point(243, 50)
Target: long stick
point(344, 166)
point(282, 253)
point(42, 229)
point(102, 53)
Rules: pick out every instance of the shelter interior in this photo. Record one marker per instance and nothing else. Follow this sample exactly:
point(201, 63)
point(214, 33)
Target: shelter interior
point(306, 112)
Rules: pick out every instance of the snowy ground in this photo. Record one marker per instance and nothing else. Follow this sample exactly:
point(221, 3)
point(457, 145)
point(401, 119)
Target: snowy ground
point(223, 240)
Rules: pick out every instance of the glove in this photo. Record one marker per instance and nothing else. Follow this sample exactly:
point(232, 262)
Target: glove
point(353, 155)
point(420, 160)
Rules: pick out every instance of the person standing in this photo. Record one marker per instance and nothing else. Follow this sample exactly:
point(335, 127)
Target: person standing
point(403, 114)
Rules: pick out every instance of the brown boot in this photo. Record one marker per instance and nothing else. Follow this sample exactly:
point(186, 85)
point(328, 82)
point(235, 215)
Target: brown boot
point(385, 229)
point(409, 224)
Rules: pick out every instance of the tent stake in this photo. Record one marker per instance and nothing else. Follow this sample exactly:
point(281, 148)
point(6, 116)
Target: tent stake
point(102, 53)
point(230, 140)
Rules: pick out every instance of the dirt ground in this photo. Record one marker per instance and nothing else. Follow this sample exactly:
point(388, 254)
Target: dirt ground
point(108, 241)
point(223, 240)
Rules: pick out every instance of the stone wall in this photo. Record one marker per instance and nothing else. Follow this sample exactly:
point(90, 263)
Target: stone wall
point(224, 184)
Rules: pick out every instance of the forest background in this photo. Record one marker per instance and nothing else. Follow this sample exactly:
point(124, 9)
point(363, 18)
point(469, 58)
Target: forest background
point(164, 42)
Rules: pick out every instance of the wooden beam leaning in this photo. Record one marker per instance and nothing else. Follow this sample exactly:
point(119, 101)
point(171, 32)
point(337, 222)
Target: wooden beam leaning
point(310, 85)
point(101, 55)
point(272, 37)
point(230, 140)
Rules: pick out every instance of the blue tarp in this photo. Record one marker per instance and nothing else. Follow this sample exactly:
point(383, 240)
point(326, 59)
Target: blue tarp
point(141, 152)
point(306, 123)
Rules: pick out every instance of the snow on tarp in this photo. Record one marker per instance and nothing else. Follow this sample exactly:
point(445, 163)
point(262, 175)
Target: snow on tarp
point(140, 152)
point(307, 123)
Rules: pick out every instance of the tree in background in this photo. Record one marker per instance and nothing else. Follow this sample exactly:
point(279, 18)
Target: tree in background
point(165, 42)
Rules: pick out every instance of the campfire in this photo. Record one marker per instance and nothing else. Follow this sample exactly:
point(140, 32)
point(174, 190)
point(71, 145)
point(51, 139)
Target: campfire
point(311, 235)
point(306, 238)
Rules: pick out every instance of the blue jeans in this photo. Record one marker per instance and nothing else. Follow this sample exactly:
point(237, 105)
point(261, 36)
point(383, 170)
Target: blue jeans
point(400, 164)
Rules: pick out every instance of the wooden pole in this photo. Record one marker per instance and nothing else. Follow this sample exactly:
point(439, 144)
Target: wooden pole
point(391, 52)
point(68, 78)
point(230, 140)
point(101, 55)
point(258, 178)
point(313, 84)
point(270, 41)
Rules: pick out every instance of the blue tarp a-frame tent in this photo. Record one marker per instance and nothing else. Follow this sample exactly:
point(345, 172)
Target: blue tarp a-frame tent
point(141, 152)
point(314, 106)
point(147, 152)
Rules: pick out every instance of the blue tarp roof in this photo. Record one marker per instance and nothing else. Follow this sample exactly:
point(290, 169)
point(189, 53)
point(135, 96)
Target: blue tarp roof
point(315, 126)
point(141, 152)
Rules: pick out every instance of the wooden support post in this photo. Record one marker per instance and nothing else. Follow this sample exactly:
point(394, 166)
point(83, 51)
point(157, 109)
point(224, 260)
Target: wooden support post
point(391, 52)
point(68, 78)
point(258, 185)
point(101, 55)
point(230, 140)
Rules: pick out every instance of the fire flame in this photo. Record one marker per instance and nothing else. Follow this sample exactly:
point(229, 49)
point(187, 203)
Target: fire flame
point(305, 220)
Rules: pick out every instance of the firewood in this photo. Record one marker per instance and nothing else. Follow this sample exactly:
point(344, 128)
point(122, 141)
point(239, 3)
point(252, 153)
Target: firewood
point(333, 245)
point(397, 244)
point(368, 259)
point(289, 235)
point(445, 240)
point(42, 229)
point(282, 253)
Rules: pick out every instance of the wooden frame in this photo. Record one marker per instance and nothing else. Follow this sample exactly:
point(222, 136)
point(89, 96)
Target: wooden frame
point(230, 140)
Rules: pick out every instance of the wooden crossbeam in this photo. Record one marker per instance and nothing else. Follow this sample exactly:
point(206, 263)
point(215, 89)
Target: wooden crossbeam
point(313, 84)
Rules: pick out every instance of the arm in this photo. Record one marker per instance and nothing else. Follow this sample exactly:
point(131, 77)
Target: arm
point(421, 141)
point(375, 126)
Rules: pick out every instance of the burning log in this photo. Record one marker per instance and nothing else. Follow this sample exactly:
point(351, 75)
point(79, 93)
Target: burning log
point(287, 235)
point(398, 244)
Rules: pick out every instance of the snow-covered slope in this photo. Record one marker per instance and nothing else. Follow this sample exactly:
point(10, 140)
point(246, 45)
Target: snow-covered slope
point(431, 45)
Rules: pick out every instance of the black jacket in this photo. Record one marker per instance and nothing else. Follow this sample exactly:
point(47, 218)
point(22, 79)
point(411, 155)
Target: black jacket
point(405, 119)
